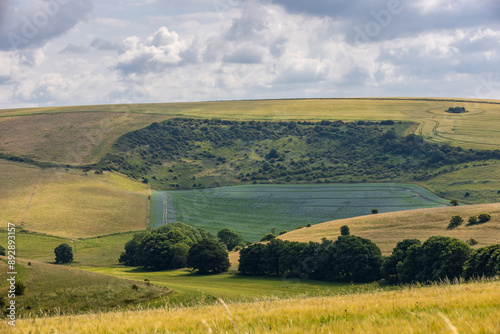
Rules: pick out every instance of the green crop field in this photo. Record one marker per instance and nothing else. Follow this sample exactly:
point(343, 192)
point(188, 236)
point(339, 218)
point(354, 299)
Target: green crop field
point(253, 210)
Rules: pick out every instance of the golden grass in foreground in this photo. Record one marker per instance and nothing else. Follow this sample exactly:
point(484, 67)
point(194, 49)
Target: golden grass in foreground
point(387, 229)
point(467, 308)
point(68, 203)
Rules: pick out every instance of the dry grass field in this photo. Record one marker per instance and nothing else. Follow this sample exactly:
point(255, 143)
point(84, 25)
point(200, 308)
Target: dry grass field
point(70, 204)
point(68, 138)
point(476, 129)
point(387, 229)
point(462, 308)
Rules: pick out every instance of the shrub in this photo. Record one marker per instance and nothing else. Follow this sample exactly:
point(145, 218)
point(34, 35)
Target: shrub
point(2, 250)
point(308, 225)
point(389, 268)
point(230, 238)
point(472, 242)
point(455, 221)
point(237, 248)
point(454, 202)
point(483, 262)
point(64, 253)
point(299, 227)
point(283, 232)
point(344, 230)
point(483, 218)
point(472, 220)
point(19, 288)
point(374, 211)
point(268, 237)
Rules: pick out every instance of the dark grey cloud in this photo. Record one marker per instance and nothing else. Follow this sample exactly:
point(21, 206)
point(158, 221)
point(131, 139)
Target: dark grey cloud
point(365, 21)
point(35, 24)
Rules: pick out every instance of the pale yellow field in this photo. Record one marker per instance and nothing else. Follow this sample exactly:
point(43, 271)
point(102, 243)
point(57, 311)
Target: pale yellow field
point(387, 229)
point(464, 308)
point(70, 204)
point(476, 129)
point(68, 138)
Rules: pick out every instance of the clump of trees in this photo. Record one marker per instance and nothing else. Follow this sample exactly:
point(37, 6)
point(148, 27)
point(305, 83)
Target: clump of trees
point(455, 221)
point(166, 247)
point(64, 253)
point(208, 256)
point(230, 238)
point(349, 258)
point(456, 110)
point(436, 259)
point(484, 262)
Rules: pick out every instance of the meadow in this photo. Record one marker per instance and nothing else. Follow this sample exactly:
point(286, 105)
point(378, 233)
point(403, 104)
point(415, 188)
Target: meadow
point(57, 289)
point(387, 229)
point(254, 209)
point(461, 308)
point(71, 203)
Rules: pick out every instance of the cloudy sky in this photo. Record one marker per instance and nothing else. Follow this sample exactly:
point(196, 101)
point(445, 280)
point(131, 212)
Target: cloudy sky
point(68, 52)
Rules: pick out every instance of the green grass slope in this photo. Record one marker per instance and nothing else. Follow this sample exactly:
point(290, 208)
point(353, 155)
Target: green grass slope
point(58, 289)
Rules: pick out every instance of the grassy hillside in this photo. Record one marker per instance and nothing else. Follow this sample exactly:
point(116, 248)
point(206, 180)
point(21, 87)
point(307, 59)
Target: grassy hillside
point(387, 229)
point(57, 289)
point(68, 138)
point(470, 308)
point(467, 130)
point(253, 210)
point(193, 289)
point(97, 251)
point(69, 203)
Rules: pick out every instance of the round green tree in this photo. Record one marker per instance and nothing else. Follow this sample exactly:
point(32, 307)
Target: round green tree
point(230, 238)
point(64, 253)
point(208, 257)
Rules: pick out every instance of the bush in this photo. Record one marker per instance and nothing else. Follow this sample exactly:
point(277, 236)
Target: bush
point(2, 250)
point(454, 202)
point(19, 288)
point(374, 211)
point(64, 253)
point(208, 257)
point(472, 242)
point(308, 225)
point(483, 218)
point(472, 220)
point(237, 248)
point(283, 232)
point(268, 237)
point(344, 230)
point(455, 221)
point(389, 268)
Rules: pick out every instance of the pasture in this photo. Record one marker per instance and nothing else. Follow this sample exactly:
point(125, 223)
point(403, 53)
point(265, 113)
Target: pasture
point(253, 210)
point(71, 203)
point(193, 289)
point(461, 308)
point(387, 229)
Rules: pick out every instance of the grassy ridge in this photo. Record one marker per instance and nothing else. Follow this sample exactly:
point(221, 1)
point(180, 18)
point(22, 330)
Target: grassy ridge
point(470, 308)
point(57, 289)
point(69, 203)
point(467, 130)
point(253, 210)
point(387, 229)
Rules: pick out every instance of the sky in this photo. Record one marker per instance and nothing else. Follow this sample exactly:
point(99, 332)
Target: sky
point(79, 52)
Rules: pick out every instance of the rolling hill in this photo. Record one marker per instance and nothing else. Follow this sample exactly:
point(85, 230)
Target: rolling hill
point(387, 229)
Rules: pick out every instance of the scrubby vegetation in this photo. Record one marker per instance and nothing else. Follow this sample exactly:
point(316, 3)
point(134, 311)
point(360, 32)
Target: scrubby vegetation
point(191, 153)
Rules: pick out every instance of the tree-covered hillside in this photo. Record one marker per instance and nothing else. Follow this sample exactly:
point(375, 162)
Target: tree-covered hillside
point(192, 153)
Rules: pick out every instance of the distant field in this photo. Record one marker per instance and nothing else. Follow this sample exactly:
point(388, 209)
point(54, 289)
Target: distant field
point(481, 182)
point(387, 229)
point(70, 204)
point(58, 289)
point(193, 289)
point(68, 138)
point(254, 210)
point(463, 308)
point(476, 129)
